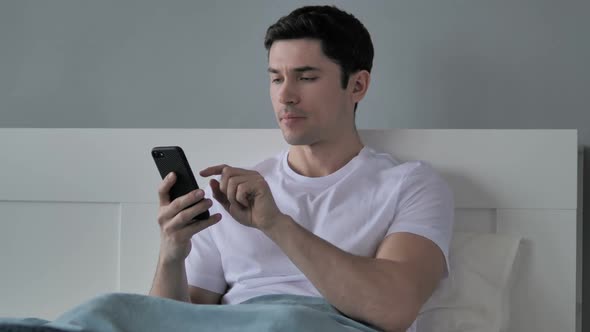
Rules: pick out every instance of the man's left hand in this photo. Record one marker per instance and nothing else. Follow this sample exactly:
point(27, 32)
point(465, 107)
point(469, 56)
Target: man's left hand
point(245, 195)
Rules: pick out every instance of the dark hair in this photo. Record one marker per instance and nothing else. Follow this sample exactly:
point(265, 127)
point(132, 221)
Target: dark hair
point(344, 39)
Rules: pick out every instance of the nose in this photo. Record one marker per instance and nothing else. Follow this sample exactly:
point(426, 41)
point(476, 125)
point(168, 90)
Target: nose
point(287, 94)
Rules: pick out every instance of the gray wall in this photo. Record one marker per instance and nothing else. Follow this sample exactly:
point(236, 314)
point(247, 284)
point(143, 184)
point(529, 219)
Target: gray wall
point(201, 64)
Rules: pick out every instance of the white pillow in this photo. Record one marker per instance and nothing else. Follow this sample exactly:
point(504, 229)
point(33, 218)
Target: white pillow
point(476, 295)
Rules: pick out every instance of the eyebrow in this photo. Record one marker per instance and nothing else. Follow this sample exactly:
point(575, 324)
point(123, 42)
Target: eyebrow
point(297, 69)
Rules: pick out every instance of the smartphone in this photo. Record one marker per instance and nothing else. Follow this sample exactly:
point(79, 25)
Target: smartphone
point(172, 159)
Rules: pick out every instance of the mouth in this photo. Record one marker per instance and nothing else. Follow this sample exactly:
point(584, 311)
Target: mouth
point(290, 115)
point(292, 120)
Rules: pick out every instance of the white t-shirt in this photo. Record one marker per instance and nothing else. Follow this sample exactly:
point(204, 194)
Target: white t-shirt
point(354, 208)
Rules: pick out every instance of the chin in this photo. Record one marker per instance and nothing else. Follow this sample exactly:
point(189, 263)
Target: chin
point(297, 139)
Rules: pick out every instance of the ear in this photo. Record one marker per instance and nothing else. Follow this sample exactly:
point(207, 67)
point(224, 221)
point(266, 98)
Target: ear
point(359, 82)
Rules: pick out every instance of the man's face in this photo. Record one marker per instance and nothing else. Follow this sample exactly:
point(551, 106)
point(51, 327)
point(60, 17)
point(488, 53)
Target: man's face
point(306, 93)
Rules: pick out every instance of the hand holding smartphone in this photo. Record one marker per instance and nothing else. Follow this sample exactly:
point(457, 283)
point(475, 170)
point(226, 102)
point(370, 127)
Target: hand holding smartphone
point(172, 159)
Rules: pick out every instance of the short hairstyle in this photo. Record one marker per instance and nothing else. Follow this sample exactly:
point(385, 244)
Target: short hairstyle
point(344, 39)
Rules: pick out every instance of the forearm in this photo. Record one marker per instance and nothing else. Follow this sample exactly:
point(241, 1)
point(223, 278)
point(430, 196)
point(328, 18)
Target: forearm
point(363, 288)
point(170, 281)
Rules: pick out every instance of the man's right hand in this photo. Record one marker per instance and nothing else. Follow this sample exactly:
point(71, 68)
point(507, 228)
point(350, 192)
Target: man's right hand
point(176, 224)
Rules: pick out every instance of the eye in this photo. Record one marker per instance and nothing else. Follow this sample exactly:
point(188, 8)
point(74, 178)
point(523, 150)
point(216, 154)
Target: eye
point(309, 79)
point(275, 80)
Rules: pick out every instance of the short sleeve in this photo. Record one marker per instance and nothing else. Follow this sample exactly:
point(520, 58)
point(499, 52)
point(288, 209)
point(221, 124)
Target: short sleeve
point(425, 207)
point(203, 264)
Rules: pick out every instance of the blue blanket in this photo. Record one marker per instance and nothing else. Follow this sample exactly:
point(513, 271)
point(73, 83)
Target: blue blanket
point(118, 312)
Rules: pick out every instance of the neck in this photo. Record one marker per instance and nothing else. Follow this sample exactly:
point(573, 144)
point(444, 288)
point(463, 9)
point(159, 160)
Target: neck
point(323, 158)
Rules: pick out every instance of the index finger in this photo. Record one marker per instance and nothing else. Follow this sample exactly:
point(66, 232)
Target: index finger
point(213, 170)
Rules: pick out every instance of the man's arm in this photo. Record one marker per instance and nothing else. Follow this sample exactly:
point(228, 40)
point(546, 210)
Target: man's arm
point(170, 282)
point(387, 291)
point(176, 231)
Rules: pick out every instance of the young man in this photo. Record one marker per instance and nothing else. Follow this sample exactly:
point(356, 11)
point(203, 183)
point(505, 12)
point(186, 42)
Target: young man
point(328, 218)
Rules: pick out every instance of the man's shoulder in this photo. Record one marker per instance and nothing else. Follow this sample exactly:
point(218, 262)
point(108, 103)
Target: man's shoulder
point(383, 163)
point(378, 160)
point(388, 169)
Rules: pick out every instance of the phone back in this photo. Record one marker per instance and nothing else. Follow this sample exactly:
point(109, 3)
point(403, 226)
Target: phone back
point(172, 159)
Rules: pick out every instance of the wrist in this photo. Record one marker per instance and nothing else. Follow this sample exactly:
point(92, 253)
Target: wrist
point(277, 225)
point(170, 262)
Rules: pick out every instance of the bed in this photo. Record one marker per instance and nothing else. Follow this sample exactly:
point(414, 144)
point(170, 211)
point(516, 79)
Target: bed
point(78, 211)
